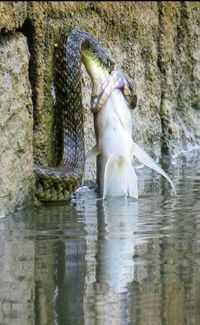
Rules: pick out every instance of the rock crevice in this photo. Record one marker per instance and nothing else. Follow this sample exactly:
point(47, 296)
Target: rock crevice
point(156, 44)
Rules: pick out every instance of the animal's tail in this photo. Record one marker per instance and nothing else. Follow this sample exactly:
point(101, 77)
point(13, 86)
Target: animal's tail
point(143, 156)
point(119, 178)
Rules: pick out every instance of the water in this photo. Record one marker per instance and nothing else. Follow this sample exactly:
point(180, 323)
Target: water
point(121, 262)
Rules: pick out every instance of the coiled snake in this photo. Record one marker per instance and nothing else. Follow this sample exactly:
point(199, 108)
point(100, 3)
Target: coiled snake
point(57, 183)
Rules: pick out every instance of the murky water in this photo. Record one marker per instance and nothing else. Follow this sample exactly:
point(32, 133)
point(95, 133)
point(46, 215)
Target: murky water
point(120, 262)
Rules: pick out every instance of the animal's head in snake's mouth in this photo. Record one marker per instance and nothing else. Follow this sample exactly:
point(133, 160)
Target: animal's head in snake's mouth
point(113, 125)
point(98, 66)
point(96, 60)
point(79, 47)
point(105, 77)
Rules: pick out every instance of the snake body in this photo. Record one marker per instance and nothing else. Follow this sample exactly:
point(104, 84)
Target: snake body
point(57, 183)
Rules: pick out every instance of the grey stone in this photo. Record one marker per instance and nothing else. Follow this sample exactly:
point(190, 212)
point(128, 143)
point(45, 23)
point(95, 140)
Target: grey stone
point(16, 124)
point(156, 44)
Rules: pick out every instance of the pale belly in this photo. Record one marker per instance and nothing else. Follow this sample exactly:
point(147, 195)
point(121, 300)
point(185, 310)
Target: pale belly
point(114, 140)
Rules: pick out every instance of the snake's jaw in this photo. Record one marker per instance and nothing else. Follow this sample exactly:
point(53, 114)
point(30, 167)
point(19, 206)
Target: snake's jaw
point(56, 183)
point(95, 68)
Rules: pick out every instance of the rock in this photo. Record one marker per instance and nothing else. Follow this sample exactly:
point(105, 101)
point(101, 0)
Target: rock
point(156, 44)
point(16, 124)
point(13, 14)
point(179, 59)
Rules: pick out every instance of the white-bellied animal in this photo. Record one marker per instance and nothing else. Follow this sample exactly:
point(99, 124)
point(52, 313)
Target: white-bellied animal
point(115, 147)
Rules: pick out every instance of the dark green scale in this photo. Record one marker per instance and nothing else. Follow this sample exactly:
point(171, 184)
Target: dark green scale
point(57, 183)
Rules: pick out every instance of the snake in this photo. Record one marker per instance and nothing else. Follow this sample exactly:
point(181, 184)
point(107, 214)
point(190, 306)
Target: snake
point(55, 183)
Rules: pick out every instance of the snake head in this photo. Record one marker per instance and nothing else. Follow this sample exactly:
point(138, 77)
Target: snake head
point(99, 54)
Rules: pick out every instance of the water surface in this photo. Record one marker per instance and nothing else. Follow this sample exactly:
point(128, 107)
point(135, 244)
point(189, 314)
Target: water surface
point(120, 262)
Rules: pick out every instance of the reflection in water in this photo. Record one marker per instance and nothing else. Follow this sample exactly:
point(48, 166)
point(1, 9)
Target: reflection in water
point(115, 263)
point(106, 294)
point(118, 262)
point(60, 266)
point(17, 254)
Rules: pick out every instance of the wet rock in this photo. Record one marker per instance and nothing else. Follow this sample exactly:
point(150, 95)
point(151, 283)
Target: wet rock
point(179, 61)
point(16, 124)
point(156, 44)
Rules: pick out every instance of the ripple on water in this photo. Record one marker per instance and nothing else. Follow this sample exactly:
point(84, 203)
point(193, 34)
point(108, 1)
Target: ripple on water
point(117, 262)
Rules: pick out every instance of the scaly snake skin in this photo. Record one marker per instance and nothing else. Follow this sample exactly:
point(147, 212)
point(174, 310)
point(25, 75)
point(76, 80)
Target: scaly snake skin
point(57, 183)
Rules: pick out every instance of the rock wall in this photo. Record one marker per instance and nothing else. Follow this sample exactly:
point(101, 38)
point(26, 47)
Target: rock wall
point(156, 44)
point(16, 154)
point(179, 62)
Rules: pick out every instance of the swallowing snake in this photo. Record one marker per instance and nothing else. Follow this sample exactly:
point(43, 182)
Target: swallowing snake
point(57, 183)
